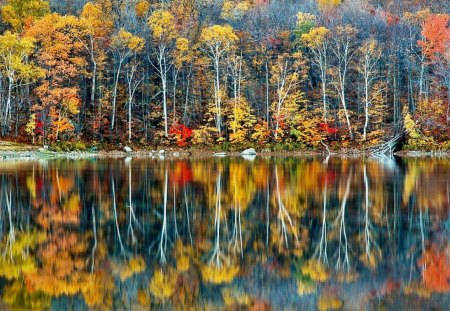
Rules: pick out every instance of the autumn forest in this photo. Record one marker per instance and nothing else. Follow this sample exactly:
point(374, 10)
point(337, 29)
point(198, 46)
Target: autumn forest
point(305, 74)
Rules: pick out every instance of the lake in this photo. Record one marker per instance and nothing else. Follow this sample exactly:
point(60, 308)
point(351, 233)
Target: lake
point(225, 233)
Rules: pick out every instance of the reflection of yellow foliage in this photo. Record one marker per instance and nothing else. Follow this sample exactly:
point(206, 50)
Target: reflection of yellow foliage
point(134, 266)
point(183, 264)
point(73, 203)
point(163, 284)
point(31, 185)
point(347, 277)
point(16, 262)
point(305, 288)
point(215, 275)
point(315, 270)
point(410, 181)
point(17, 297)
point(13, 270)
point(371, 259)
point(234, 296)
point(183, 253)
point(328, 302)
point(417, 289)
point(98, 290)
point(143, 298)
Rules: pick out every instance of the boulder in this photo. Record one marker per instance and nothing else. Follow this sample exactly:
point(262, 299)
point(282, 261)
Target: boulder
point(249, 157)
point(127, 149)
point(220, 154)
point(248, 152)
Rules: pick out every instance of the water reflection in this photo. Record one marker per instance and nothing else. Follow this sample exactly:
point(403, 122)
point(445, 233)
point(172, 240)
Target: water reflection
point(225, 233)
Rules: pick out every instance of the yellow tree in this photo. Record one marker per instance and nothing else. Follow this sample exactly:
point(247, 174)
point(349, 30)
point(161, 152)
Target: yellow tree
point(95, 26)
point(124, 44)
point(344, 50)
point(370, 53)
point(288, 71)
point(15, 67)
point(164, 32)
point(216, 41)
point(316, 40)
point(17, 12)
point(242, 119)
point(326, 6)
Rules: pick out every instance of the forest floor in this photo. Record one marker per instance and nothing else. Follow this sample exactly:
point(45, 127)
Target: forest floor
point(13, 150)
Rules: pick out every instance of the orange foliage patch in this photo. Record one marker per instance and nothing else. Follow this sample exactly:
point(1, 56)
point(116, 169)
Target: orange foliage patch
point(436, 270)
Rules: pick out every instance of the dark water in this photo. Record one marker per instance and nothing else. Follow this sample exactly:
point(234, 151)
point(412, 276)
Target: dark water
point(268, 234)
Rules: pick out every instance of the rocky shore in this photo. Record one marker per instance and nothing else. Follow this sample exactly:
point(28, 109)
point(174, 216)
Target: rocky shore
point(9, 151)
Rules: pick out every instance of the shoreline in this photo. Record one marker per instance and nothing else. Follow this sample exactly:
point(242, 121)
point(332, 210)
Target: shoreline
point(169, 153)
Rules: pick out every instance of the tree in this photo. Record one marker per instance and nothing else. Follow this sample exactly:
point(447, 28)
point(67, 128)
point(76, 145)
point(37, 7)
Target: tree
point(123, 45)
point(317, 40)
point(60, 54)
point(217, 40)
point(164, 33)
point(95, 27)
point(344, 50)
point(287, 74)
point(436, 34)
point(241, 120)
point(16, 68)
point(18, 12)
point(370, 56)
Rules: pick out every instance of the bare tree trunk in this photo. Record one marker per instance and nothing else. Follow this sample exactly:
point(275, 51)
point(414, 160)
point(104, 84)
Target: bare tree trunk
point(116, 82)
point(267, 96)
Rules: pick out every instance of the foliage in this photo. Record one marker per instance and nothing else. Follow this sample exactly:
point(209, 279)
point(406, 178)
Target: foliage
point(219, 275)
point(436, 270)
point(436, 31)
point(257, 71)
point(328, 302)
point(162, 285)
point(181, 134)
point(17, 12)
point(235, 10)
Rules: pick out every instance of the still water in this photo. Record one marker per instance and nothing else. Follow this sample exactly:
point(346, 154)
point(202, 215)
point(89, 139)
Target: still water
point(208, 234)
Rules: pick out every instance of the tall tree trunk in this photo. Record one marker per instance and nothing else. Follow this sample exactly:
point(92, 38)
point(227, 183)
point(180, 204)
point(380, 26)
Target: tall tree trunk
point(114, 99)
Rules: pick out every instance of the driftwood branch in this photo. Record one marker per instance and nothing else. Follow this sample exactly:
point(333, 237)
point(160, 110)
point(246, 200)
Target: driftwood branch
point(387, 148)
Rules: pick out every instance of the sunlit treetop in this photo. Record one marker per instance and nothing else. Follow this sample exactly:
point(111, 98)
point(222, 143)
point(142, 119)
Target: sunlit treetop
point(436, 33)
point(17, 12)
point(163, 26)
point(327, 5)
point(142, 8)
point(417, 18)
point(126, 40)
point(218, 36)
point(305, 22)
point(315, 38)
point(235, 11)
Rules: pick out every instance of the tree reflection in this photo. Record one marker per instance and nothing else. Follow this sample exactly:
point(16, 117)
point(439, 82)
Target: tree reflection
point(185, 232)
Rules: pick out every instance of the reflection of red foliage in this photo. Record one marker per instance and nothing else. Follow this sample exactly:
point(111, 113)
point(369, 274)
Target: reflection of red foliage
point(327, 178)
point(181, 173)
point(325, 127)
point(436, 270)
point(39, 183)
point(182, 134)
